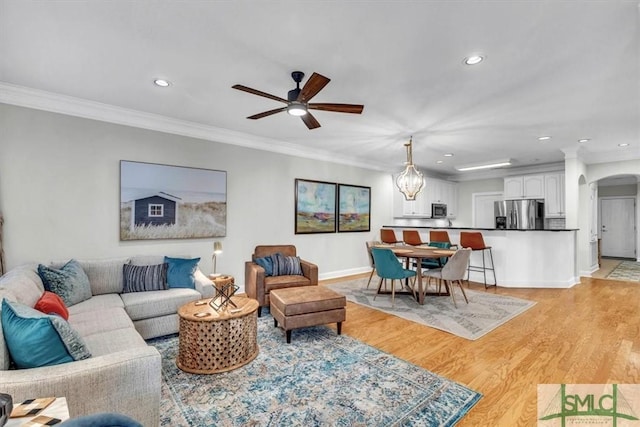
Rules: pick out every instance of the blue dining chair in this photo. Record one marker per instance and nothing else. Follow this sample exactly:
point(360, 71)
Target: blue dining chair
point(430, 263)
point(389, 267)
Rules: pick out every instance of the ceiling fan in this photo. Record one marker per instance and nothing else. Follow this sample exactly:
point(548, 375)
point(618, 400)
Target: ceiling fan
point(298, 100)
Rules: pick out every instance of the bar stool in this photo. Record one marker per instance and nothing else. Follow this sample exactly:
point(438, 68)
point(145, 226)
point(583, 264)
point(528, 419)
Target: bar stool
point(412, 237)
point(388, 236)
point(474, 240)
point(441, 236)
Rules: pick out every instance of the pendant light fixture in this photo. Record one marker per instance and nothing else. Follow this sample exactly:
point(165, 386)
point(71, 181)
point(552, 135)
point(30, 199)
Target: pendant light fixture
point(410, 181)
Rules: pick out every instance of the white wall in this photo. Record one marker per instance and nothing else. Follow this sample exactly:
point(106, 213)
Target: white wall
point(59, 194)
point(465, 199)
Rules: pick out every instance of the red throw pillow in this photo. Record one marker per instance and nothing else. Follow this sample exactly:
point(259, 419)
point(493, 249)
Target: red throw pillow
point(52, 303)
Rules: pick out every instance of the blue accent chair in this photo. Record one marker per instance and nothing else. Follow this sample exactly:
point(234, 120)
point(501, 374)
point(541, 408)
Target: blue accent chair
point(389, 267)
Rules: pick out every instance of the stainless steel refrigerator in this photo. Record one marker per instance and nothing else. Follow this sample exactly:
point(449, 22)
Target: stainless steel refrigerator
point(527, 214)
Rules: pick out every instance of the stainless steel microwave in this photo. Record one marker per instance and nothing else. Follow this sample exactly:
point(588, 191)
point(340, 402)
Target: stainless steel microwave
point(438, 210)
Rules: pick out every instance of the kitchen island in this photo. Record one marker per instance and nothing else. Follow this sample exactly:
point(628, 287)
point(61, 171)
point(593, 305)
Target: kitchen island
point(523, 258)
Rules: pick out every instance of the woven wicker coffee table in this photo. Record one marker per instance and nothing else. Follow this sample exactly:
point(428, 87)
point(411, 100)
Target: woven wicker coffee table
point(211, 341)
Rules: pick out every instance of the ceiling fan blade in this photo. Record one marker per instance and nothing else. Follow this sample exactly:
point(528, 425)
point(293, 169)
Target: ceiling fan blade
point(339, 108)
point(259, 93)
point(310, 121)
point(267, 113)
point(314, 85)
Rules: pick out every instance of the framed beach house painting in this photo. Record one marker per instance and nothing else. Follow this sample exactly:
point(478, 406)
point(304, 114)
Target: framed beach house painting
point(354, 208)
point(315, 207)
point(171, 202)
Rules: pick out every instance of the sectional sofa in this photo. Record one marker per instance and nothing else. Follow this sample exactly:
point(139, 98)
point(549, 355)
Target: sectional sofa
point(123, 372)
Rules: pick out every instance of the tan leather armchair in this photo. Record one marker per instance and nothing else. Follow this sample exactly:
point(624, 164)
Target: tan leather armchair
point(257, 285)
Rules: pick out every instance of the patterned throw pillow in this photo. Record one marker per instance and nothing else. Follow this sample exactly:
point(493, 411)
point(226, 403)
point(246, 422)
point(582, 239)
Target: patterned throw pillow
point(70, 282)
point(267, 264)
point(180, 273)
point(35, 339)
point(286, 265)
point(50, 303)
point(141, 278)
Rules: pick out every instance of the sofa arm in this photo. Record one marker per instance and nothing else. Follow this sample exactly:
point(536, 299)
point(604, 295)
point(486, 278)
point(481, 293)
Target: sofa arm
point(127, 382)
point(254, 281)
point(310, 271)
point(204, 285)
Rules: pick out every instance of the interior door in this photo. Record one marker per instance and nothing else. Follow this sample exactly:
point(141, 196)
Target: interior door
point(617, 228)
point(482, 206)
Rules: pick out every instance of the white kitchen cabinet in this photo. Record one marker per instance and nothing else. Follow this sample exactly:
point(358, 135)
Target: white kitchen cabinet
point(445, 192)
point(434, 191)
point(415, 207)
point(554, 195)
point(409, 208)
point(524, 187)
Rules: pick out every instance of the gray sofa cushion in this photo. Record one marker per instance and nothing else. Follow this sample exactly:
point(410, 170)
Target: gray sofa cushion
point(25, 284)
point(97, 302)
point(109, 342)
point(107, 319)
point(143, 305)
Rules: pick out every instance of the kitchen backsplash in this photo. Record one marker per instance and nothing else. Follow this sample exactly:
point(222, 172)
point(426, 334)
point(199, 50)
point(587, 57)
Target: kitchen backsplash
point(555, 223)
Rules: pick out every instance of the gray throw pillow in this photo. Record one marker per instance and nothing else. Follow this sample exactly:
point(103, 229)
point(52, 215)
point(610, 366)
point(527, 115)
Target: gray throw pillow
point(285, 265)
point(141, 278)
point(70, 282)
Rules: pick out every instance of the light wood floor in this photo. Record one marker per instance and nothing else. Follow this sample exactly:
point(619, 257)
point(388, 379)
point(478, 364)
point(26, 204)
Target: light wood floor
point(587, 334)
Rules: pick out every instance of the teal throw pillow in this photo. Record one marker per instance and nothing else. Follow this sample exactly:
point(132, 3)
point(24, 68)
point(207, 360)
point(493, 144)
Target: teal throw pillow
point(36, 339)
point(141, 278)
point(180, 272)
point(70, 282)
point(267, 264)
point(285, 265)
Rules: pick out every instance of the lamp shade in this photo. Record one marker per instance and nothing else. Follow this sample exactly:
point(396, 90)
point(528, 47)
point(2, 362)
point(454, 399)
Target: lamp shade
point(217, 247)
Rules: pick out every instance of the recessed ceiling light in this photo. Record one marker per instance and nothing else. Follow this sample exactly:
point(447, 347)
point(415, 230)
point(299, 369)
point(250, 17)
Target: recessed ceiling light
point(624, 144)
point(583, 140)
point(473, 59)
point(448, 155)
point(161, 82)
point(439, 161)
point(544, 138)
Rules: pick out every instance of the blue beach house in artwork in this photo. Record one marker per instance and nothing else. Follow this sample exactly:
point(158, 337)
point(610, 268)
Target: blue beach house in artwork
point(159, 209)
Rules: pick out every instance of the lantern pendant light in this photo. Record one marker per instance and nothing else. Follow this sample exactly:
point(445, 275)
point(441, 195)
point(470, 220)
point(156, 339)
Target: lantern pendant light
point(410, 181)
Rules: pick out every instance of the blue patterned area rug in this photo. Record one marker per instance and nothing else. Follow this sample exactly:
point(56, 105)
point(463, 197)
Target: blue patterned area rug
point(320, 379)
point(485, 312)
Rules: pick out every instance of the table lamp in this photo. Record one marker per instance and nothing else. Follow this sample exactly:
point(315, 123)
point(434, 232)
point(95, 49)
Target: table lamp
point(217, 249)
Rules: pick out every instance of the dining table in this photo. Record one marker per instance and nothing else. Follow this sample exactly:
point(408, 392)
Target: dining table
point(419, 253)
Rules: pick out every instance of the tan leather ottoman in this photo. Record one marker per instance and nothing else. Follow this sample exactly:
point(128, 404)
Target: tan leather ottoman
point(306, 306)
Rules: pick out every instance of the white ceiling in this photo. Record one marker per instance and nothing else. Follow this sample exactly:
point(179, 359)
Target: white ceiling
point(567, 69)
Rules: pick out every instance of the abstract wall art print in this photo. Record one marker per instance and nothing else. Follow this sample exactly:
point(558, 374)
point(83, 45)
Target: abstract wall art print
point(354, 208)
point(315, 207)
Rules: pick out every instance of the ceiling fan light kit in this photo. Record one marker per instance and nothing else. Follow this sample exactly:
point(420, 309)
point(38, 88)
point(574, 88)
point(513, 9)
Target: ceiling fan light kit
point(297, 109)
point(411, 180)
point(298, 100)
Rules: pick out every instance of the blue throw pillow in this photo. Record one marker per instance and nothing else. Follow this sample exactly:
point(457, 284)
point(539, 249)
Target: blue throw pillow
point(180, 272)
point(36, 339)
point(267, 264)
point(70, 282)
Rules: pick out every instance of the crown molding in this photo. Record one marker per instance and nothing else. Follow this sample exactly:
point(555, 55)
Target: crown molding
point(77, 107)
